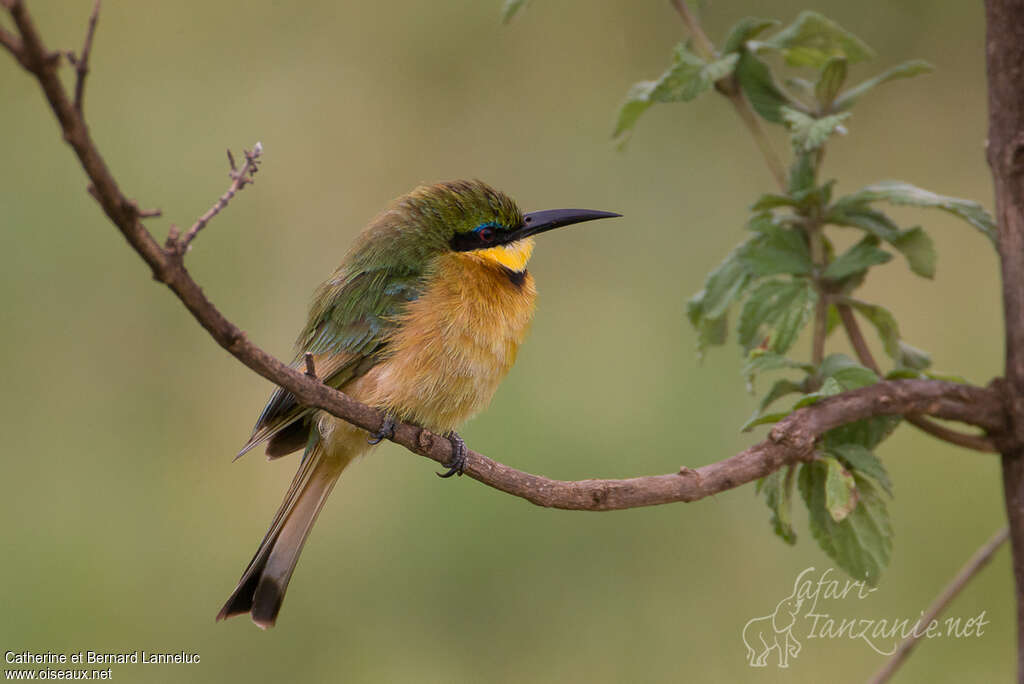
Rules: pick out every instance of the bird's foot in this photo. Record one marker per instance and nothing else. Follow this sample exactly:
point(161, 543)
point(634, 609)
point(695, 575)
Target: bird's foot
point(457, 464)
point(387, 430)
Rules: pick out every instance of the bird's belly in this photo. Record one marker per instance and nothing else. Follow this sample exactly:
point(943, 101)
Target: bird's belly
point(453, 346)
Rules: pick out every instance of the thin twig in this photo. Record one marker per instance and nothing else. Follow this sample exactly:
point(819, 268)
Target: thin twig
point(11, 42)
point(240, 178)
point(81, 63)
point(730, 89)
point(860, 348)
point(978, 561)
point(310, 365)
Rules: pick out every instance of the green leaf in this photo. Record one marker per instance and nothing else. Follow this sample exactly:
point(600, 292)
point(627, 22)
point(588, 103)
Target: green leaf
point(809, 133)
point(638, 100)
point(898, 192)
point(914, 358)
point(763, 420)
point(763, 93)
point(723, 285)
point(861, 543)
point(864, 462)
point(745, 29)
point(778, 493)
point(848, 373)
point(707, 309)
point(854, 215)
point(776, 250)
point(687, 78)
point(869, 433)
point(811, 40)
point(771, 201)
point(760, 361)
point(904, 70)
point(830, 387)
point(840, 490)
point(917, 248)
point(833, 75)
point(509, 9)
point(784, 306)
point(860, 257)
point(802, 172)
point(885, 324)
point(780, 389)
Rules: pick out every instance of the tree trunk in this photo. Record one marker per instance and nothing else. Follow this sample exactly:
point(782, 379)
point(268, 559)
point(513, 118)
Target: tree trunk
point(1005, 66)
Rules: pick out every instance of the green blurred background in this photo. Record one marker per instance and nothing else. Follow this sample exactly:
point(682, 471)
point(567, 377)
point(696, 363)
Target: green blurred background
point(127, 524)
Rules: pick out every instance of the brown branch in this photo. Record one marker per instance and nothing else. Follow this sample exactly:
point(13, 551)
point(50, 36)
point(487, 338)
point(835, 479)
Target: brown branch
point(860, 348)
point(239, 180)
point(81, 63)
point(729, 87)
point(977, 561)
point(790, 441)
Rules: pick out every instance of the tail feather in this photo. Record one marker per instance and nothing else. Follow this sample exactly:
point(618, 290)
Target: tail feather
point(261, 589)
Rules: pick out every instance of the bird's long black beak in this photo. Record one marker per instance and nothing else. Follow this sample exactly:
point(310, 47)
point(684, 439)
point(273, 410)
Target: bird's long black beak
point(541, 221)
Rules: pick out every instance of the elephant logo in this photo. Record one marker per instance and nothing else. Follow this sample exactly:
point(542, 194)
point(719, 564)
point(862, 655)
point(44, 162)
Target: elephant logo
point(774, 632)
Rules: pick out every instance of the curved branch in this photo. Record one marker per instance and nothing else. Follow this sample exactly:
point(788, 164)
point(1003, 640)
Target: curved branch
point(791, 440)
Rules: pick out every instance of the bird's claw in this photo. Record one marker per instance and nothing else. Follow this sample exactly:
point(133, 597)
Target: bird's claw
point(457, 464)
point(387, 430)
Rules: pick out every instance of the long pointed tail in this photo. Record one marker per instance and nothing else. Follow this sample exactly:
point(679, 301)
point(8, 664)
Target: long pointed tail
point(261, 589)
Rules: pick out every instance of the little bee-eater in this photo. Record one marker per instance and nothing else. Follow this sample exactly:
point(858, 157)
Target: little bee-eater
point(421, 320)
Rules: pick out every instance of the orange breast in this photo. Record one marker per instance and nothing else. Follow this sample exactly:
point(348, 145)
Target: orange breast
point(453, 345)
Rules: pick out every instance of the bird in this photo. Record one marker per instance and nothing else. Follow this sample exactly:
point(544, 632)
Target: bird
point(422, 320)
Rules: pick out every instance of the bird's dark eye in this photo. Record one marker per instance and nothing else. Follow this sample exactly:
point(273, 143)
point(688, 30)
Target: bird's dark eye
point(486, 234)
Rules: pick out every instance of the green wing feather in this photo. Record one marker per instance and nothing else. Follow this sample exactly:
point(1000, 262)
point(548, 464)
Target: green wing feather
point(351, 317)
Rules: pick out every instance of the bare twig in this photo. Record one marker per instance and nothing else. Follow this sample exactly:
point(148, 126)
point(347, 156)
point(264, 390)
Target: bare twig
point(731, 90)
point(860, 348)
point(310, 365)
point(978, 561)
point(239, 180)
point(790, 441)
point(81, 63)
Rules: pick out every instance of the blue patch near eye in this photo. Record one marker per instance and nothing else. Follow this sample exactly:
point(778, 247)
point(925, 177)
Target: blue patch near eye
point(489, 224)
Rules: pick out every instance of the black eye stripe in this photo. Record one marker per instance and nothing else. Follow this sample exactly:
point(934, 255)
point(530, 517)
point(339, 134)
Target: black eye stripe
point(481, 237)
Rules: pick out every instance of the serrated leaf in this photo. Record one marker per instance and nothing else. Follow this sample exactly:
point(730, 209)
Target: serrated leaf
point(687, 78)
point(745, 29)
point(904, 70)
point(848, 373)
point(860, 257)
point(899, 192)
point(917, 248)
point(784, 306)
point(864, 462)
point(809, 133)
point(775, 251)
point(723, 285)
point(862, 543)
point(840, 490)
point(812, 39)
point(763, 93)
point(833, 75)
point(509, 9)
point(778, 493)
point(885, 324)
point(707, 309)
